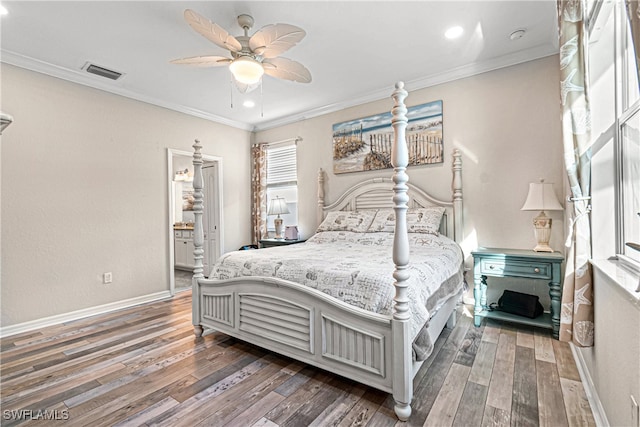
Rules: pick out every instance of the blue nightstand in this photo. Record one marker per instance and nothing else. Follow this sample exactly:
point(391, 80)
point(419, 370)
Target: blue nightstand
point(496, 262)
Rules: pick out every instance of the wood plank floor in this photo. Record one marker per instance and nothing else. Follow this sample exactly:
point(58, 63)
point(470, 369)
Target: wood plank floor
point(143, 366)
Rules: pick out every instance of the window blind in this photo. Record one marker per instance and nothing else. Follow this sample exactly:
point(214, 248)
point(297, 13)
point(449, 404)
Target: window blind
point(282, 165)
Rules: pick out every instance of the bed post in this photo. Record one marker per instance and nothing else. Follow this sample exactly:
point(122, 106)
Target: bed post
point(458, 225)
point(320, 211)
point(198, 237)
point(402, 363)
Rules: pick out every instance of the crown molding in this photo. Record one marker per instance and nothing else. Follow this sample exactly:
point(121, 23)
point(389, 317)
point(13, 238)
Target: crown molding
point(89, 80)
point(465, 71)
point(421, 83)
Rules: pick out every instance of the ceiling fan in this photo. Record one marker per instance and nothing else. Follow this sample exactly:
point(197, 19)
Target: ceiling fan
point(251, 56)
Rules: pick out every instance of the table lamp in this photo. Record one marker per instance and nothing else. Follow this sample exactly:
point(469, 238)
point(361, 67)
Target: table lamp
point(542, 198)
point(278, 206)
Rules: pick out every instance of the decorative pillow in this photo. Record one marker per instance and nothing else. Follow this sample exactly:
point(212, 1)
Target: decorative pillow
point(358, 221)
point(419, 220)
point(385, 220)
point(424, 220)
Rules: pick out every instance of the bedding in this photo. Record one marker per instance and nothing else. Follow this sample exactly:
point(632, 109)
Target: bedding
point(356, 268)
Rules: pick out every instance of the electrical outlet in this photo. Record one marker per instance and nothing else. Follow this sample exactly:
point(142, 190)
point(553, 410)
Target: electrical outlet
point(635, 412)
point(107, 278)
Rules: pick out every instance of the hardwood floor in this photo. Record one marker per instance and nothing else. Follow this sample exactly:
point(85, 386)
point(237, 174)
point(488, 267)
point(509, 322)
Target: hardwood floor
point(143, 366)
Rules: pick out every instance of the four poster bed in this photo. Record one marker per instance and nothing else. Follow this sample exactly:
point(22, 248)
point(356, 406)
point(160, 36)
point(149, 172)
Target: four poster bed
point(338, 301)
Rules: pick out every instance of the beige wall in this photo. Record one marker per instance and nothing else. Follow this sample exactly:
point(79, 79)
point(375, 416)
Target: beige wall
point(613, 363)
point(84, 191)
point(95, 197)
point(507, 125)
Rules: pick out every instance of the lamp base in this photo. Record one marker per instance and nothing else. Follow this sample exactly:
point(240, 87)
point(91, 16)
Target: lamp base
point(279, 228)
point(542, 224)
point(543, 248)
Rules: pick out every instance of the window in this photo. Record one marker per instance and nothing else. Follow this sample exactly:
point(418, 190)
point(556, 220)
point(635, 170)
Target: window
point(630, 184)
point(628, 146)
point(282, 181)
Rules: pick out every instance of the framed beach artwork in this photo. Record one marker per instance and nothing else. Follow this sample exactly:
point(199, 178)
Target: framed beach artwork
point(365, 144)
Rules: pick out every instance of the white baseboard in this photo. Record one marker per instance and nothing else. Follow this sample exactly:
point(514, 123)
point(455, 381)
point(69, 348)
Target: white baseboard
point(80, 314)
point(600, 417)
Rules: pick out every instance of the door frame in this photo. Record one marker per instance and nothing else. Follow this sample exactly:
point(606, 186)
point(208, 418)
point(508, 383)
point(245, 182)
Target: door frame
point(171, 203)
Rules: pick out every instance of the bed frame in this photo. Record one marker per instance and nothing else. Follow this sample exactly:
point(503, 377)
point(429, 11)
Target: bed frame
point(309, 325)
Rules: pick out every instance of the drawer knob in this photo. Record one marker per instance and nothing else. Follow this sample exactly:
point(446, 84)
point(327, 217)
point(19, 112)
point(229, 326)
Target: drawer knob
point(491, 267)
point(536, 270)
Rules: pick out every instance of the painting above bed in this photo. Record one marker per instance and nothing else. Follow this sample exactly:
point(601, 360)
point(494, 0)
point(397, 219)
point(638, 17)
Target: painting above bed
point(365, 144)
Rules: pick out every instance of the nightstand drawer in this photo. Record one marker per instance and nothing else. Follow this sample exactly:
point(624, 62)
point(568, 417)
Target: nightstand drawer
point(534, 270)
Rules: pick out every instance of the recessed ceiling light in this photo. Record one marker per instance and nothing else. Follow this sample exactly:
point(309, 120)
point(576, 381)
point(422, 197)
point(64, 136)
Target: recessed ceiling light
point(249, 103)
point(454, 32)
point(517, 34)
point(3, 10)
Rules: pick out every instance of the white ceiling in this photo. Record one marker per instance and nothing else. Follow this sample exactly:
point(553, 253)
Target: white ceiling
point(355, 50)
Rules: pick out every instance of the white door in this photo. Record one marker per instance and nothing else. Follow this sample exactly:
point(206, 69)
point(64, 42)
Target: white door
point(210, 217)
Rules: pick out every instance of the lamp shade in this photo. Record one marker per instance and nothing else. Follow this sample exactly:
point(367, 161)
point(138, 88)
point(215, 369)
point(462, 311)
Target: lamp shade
point(246, 70)
point(541, 197)
point(278, 206)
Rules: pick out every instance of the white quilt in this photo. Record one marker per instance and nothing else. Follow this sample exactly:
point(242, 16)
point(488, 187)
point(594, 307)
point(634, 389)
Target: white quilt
point(357, 268)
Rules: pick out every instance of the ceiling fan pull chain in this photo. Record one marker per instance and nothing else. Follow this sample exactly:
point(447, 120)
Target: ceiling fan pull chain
point(231, 90)
point(261, 100)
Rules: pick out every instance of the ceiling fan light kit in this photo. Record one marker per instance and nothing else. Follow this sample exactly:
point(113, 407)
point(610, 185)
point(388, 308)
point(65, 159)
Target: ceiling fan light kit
point(246, 70)
point(251, 56)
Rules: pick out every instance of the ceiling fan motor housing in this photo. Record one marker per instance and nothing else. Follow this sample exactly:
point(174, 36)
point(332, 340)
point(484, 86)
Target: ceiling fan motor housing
point(246, 22)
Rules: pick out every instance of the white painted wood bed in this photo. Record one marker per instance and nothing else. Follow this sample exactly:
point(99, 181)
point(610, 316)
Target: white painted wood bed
point(315, 328)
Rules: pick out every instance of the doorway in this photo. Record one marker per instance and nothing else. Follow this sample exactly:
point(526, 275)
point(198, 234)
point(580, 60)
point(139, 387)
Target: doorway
point(181, 217)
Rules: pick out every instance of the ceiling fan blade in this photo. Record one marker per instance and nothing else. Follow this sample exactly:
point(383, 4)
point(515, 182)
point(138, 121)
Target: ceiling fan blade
point(213, 32)
point(203, 61)
point(283, 68)
point(275, 39)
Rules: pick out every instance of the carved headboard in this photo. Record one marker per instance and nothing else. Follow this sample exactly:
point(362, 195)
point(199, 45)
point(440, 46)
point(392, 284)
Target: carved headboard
point(377, 193)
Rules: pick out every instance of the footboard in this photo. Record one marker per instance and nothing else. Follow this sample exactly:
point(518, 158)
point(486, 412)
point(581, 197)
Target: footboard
point(301, 323)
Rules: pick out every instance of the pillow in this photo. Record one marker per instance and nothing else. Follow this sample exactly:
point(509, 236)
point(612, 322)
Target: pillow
point(358, 221)
point(419, 220)
point(385, 220)
point(424, 220)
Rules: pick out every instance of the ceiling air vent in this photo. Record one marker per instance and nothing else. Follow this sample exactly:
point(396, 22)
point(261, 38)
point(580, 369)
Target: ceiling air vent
point(101, 71)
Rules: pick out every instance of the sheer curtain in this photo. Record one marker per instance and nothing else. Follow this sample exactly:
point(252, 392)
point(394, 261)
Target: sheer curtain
point(576, 318)
point(258, 192)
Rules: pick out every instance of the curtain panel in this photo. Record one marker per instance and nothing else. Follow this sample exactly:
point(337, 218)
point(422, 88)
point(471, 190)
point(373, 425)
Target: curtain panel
point(576, 318)
point(258, 192)
point(633, 14)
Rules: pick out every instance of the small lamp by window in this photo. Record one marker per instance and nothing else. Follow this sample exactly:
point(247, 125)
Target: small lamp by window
point(542, 198)
point(278, 206)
